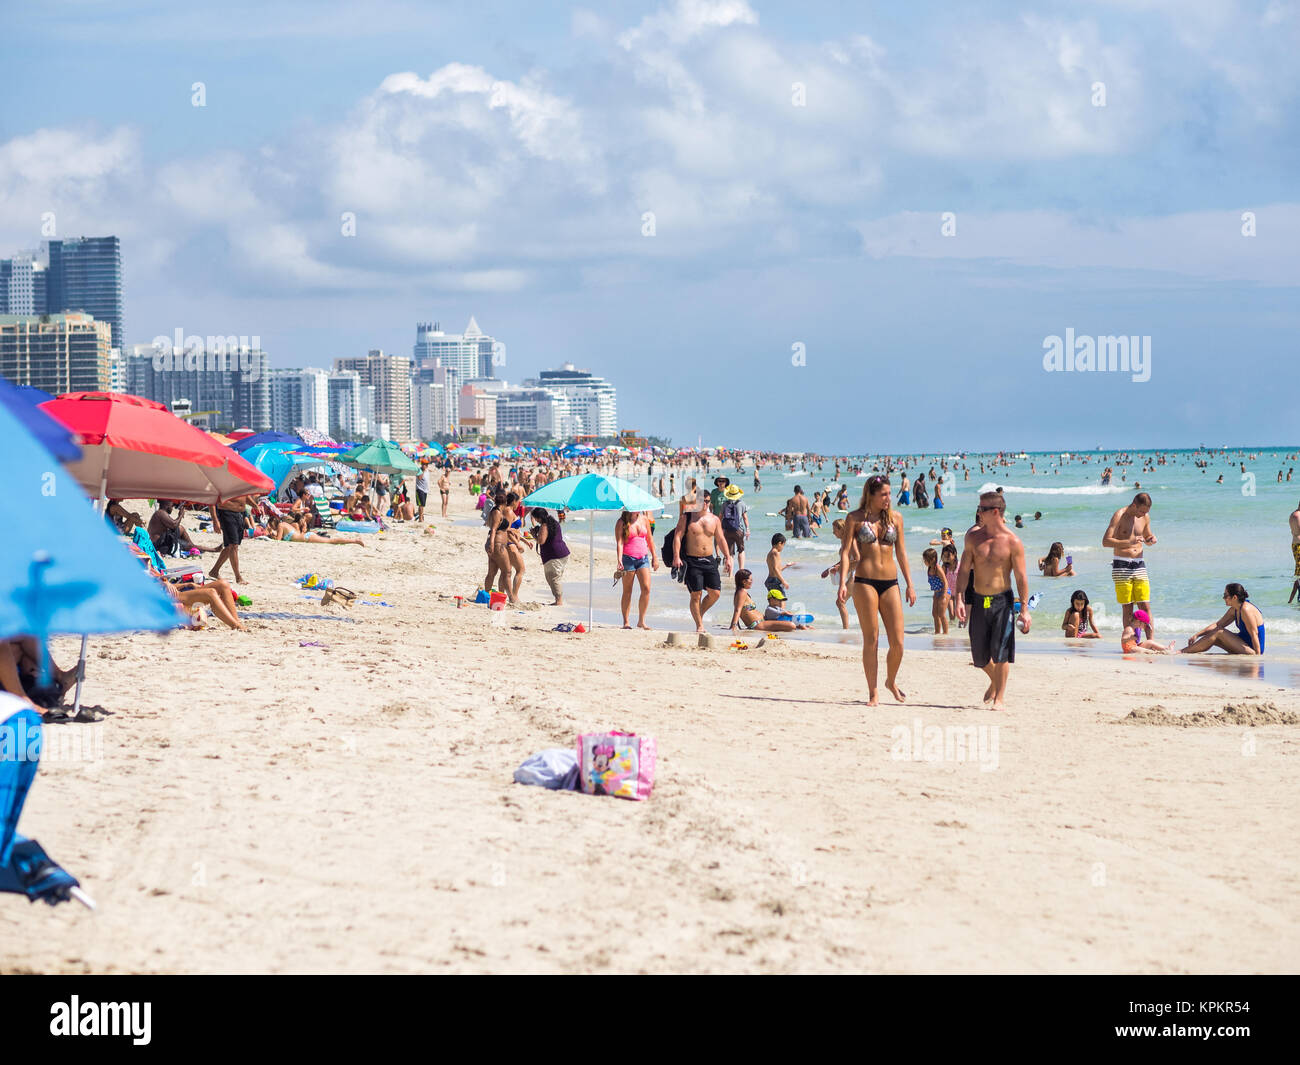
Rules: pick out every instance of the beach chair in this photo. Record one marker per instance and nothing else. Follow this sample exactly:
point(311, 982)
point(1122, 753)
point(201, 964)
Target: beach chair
point(328, 516)
point(178, 571)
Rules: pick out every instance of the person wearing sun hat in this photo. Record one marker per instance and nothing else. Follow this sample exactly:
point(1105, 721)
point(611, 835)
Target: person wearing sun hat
point(734, 516)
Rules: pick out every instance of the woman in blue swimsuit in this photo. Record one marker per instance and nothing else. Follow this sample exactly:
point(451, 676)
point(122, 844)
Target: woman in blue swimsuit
point(1248, 639)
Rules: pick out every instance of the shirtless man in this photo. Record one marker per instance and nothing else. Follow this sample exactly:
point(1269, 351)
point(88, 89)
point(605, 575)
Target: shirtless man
point(444, 486)
point(796, 514)
point(697, 535)
point(1128, 532)
point(993, 553)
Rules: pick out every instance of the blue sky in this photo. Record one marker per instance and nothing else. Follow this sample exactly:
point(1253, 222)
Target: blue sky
point(499, 159)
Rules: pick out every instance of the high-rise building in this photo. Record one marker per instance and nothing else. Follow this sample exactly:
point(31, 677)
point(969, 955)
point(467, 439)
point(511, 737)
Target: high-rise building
point(22, 284)
point(593, 401)
point(300, 399)
point(390, 376)
point(349, 418)
point(234, 385)
point(429, 413)
point(478, 407)
point(469, 354)
point(85, 274)
point(56, 352)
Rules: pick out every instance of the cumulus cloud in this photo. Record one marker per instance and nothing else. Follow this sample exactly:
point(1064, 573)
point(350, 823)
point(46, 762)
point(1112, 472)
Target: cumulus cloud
point(746, 146)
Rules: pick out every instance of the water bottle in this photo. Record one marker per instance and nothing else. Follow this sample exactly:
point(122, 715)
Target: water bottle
point(1034, 600)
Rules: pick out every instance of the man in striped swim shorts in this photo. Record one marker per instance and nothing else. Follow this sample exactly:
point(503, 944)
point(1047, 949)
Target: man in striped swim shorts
point(1127, 534)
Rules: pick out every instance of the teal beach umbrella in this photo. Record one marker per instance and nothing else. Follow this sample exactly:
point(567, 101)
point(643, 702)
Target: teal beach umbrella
point(592, 492)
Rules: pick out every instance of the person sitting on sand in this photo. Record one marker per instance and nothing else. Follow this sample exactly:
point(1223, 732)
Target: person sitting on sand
point(745, 612)
point(1078, 623)
point(282, 530)
point(20, 674)
point(167, 532)
point(1249, 637)
point(1050, 564)
point(779, 610)
point(1133, 641)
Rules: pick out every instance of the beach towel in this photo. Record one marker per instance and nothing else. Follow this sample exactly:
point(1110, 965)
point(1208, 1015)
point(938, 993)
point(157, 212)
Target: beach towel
point(556, 768)
point(621, 764)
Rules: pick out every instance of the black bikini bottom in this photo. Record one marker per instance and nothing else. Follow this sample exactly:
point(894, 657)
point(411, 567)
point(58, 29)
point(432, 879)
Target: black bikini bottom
point(881, 587)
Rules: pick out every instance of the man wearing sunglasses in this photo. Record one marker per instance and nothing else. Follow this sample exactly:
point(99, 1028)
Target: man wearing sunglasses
point(991, 555)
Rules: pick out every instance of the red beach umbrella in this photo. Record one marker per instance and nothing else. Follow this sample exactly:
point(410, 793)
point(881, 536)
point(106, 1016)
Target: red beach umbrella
point(134, 448)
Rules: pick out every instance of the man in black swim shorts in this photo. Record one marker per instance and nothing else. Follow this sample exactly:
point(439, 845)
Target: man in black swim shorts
point(992, 554)
point(698, 537)
point(228, 515)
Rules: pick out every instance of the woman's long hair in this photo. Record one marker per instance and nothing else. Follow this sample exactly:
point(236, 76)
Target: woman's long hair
point(868, 490)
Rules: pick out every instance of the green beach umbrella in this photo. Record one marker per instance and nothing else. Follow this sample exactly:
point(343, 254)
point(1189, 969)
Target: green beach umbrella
point(379, 456)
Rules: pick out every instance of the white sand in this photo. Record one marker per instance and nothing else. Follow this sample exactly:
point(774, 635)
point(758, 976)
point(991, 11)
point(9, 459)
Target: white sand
point(260, 806)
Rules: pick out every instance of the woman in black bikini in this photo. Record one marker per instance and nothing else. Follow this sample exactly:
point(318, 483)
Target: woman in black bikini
point(878, 533)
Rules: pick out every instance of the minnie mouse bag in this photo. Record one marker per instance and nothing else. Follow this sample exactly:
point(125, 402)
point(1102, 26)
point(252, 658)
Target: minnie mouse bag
point(616, 763)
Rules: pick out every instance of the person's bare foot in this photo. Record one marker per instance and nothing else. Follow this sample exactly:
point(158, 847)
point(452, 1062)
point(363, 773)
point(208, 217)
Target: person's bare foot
point(642, 625)
point(988, 696)
point(872, 698)
point(998, 704)
point(626, 625)
point(896, 691)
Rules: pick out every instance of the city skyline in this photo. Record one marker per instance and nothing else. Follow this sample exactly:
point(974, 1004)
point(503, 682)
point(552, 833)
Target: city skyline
point(713, 203)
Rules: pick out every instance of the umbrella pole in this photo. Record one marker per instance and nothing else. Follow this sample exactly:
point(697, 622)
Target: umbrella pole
point(81, 660)
point(591, 561)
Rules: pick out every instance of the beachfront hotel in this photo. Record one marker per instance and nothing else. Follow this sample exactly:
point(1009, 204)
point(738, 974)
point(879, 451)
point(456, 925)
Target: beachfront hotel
point(56, 352)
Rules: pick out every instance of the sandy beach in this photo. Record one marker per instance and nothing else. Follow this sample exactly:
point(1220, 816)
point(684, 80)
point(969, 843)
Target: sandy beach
point(253, 804)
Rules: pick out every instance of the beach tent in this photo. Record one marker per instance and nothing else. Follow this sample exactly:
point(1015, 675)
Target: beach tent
point(281, 461)
point(25, 868)
point(23, 403)
point(62, 569)
point(592, 492)
point(134, 448)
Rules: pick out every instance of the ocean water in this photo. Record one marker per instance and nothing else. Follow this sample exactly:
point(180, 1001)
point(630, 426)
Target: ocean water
point(1208, 535)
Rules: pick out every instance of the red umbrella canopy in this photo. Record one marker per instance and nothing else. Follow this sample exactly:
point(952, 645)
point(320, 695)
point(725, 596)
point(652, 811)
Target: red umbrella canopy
point(135, 448)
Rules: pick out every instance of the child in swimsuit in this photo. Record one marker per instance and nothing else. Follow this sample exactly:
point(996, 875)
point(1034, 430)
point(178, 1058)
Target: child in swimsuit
point(950, 566)
point(939, 586)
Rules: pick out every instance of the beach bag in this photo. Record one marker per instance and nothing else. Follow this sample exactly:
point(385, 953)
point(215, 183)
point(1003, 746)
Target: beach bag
point(621, 764)
point(731, 516)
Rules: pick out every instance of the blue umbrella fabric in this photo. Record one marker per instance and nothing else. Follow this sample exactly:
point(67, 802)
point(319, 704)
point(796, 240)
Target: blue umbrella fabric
point(21, 402)
point(270, 437)
point(592, 492)
point(25, 868)
point(62, 571)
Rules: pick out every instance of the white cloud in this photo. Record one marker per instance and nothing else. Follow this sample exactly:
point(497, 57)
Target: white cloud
point(1202, 244)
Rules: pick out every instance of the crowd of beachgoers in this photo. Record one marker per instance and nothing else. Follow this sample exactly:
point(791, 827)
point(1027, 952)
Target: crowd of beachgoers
point(977, 578)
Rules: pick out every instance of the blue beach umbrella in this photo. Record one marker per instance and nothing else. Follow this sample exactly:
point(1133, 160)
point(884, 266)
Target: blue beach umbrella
point(21, 402)
point(25, 868)
point(62, 570)
point(271, 437)
point(592, 492)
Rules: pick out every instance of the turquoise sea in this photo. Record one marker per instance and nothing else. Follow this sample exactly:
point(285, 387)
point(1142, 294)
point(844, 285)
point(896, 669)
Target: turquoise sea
point(1209, 534)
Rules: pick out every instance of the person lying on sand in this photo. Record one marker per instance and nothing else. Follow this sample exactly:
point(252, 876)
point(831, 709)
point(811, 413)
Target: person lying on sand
point(282, 530)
